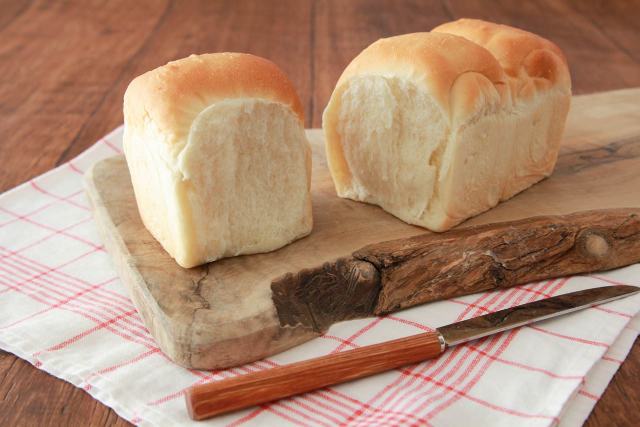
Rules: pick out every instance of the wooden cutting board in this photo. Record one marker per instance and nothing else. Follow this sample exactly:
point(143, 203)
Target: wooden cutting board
point(241, 309)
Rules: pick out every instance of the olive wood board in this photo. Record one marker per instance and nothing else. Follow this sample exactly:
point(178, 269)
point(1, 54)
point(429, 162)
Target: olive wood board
point(241, 309)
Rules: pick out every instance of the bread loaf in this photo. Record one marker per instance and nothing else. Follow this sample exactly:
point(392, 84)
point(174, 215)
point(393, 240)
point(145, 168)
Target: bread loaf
point(218, 157)
point(437, 127)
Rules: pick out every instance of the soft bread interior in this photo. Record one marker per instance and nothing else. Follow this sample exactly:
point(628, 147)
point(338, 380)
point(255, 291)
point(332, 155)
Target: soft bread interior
point(239, 185)
point(248, 164)
point(384, 123)
point(404, 155)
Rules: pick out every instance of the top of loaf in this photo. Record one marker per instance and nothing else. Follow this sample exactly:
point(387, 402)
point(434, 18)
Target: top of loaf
point(467, 66)
point(434, 60)
point(171, 96)
point(532, 62)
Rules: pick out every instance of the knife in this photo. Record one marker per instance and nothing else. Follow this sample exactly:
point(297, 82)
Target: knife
point(208, 400)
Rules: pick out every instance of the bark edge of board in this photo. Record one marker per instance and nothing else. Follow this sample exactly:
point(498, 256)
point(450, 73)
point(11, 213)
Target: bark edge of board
point(389, 276)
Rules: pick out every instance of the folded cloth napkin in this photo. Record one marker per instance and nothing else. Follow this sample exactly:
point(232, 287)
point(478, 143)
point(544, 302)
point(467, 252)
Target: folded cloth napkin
point(63, 309)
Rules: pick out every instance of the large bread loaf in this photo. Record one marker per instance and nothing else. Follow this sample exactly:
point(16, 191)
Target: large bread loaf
point(437, 127)
point(218, 156)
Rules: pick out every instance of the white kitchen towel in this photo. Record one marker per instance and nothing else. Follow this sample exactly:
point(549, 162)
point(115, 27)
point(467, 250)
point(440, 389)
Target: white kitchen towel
point(63, 308)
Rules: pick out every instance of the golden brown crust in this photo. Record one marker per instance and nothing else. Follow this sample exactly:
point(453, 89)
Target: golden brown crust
point(172, 95)
point(434, 60)
point(532, 62)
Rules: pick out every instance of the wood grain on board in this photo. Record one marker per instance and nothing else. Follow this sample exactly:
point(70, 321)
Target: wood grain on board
point(360, 261)
point(64, 67)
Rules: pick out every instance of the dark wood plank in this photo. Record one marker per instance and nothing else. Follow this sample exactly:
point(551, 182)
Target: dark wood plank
point(64, 68)
point(620, 405)
point(59, 61)
point(29, 397)
point(10, 11)
point(617, 20)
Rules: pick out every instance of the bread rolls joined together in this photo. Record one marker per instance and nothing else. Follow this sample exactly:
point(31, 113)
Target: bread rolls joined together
point(218, 157)
point(437, 127)
point(433, 127)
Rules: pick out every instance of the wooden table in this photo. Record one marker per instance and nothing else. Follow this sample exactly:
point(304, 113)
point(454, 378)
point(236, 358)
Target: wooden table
point(64, 68)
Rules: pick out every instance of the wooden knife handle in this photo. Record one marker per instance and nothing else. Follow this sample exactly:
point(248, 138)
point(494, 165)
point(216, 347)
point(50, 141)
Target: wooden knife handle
point(208, 400)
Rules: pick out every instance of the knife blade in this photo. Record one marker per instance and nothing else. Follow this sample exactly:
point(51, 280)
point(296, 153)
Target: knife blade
point(520, 315)
point(207, 400)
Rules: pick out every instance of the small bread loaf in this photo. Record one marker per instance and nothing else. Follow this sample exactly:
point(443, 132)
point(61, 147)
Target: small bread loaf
point(437, 127)
point(218, 157)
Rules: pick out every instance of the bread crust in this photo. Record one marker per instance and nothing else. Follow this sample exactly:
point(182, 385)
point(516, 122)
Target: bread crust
point(471, 70)
point(432, 60)
point(170, 155)
point(172, 95)
point(533, 63)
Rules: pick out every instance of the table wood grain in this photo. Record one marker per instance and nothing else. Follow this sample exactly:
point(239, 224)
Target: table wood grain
point(64, 67)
